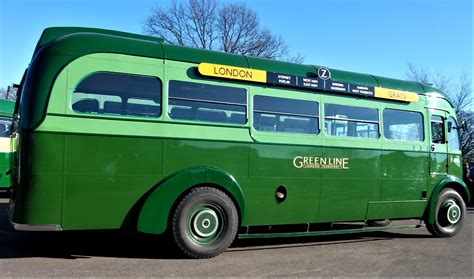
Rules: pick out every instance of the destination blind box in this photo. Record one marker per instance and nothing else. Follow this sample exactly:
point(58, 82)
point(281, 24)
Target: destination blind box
point(320, 82)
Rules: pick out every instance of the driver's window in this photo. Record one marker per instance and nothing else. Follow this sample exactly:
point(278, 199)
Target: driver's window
point(437, 129)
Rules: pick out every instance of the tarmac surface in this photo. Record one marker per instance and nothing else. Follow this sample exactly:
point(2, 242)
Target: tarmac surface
point(111, 253)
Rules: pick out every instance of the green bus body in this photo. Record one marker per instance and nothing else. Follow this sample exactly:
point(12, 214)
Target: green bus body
point(6, 114)
point(78, 171)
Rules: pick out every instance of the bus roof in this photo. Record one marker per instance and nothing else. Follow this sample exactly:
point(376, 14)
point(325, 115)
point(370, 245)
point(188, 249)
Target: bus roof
point(62, 37)
point(51, 34)
point(7, 107)
point(73, 42)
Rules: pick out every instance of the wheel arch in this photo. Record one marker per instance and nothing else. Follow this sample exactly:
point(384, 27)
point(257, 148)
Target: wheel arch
point(449, 182)
point(153, 214)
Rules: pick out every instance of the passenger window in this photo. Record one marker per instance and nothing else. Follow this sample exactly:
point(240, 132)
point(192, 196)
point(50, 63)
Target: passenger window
point(142, 107)
point(208, 103)
point(437, 129)
point(351, 121)
point(403, 125)
point(285, 115)
point(118, 94)
point(453, 136)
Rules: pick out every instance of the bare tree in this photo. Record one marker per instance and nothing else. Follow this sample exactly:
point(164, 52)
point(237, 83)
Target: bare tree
point(459, 91)
point(467, 135)
point(227, 27)
point(298, 58)
point(417, 74)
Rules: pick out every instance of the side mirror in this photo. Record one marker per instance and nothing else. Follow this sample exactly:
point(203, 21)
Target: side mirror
point(464, 125)
point(450, 126)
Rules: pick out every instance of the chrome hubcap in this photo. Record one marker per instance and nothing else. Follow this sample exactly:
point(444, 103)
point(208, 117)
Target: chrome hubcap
point(205, 223)
point(453, 212)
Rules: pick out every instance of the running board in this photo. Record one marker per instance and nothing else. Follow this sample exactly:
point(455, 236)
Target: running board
point(329, 232)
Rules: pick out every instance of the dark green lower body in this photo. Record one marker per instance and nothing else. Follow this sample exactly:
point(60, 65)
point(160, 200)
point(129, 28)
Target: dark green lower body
point(5, 177)
point(100, 182)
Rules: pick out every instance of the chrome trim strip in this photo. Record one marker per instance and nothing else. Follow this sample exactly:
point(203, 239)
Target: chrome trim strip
point(37, 228)
point(438, 173)
point(437, 108)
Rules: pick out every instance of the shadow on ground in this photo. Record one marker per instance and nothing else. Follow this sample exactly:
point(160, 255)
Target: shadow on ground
point(118, 244)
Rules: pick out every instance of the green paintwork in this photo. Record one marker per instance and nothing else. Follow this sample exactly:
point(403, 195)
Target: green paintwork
point(51, 34)
point(86, 171)
point(6, 108)
point(5, 179)
point(6, 113)
point(157, 207)
point(395, 209)
point(35, 204)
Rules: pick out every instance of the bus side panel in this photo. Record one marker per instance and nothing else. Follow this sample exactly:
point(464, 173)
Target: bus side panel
point(272, 166)
point(405, 175)
point(38, 199)
point(346, 192)
point(395, 209)
point(105, 176)
point(5, 180)
point(438, 168)
point(228, 156)
point(455, 164)
point(404, 185)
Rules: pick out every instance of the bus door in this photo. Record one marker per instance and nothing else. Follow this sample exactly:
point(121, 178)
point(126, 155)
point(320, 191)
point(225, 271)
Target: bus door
point(438, 147)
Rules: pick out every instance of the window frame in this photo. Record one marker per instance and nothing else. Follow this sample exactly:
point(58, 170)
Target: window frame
point(377, 109)
point(298, 115)
point(409, 111)
point(443, 124)
point(195, 121)
point(117, 116)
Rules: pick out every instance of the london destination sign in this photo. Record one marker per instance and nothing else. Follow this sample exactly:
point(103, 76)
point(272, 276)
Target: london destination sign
point(322, 82)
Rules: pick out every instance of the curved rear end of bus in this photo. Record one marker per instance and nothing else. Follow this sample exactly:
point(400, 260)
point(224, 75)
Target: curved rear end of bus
point(29, 208)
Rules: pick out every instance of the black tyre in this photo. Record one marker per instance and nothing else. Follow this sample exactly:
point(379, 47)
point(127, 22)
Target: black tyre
point(204, 223)
point(449, 214)
point(379, 223)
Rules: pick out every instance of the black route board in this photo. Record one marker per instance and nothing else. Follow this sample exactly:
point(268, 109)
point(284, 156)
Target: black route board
point(316, 83)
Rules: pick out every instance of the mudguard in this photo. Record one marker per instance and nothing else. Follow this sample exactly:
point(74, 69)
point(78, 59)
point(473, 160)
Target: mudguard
point(452, 182)
point(154, 214)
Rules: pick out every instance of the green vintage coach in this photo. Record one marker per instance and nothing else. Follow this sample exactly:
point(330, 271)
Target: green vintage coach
point(123, 131)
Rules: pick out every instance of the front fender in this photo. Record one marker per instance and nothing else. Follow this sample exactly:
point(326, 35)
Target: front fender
point(450, 181)
point(154, 214)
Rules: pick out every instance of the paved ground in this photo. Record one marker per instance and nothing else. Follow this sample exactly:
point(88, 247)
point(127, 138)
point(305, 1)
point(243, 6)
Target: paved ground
point(399, 253)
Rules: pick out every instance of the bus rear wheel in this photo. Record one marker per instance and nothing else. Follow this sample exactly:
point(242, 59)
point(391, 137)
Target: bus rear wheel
point(204, 223)
point(449, 214)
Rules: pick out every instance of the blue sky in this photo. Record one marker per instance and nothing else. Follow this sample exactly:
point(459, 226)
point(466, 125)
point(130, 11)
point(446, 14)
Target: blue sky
point(369, 36)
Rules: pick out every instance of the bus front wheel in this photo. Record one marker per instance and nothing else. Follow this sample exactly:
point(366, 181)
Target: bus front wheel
point(204, 223)
point(449, 214)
